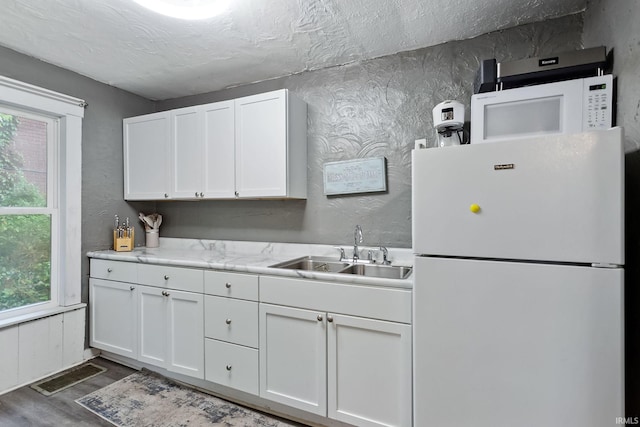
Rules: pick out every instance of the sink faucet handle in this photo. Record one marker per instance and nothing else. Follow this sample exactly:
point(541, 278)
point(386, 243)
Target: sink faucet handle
point(342, 254)
point(385, 255)
point(357, 238)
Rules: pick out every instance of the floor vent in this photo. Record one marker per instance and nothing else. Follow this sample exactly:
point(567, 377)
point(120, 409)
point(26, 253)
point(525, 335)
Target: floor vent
point(67, 379)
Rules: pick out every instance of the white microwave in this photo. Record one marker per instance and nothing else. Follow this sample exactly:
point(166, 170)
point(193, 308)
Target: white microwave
point(565, 107)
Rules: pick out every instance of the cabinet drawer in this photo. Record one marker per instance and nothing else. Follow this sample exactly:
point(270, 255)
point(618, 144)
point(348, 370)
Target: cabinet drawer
point(231, 320)
point(375, 302)
point(114, 270)
point(184, 279)
point(243, 286)
point(231, 365)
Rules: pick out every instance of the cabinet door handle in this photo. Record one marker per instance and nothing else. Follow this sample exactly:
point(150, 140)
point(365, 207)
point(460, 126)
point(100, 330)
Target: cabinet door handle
point(131, 288)
point(166, 277)
point(228, 285)
point(319, 318)
point(196, 194)
point(201, 194)
point(228, 321)
point(228, 367)
point(109, 270)
point(329, 318)
point(237, 194)
point(165, 293)
point(166, 195)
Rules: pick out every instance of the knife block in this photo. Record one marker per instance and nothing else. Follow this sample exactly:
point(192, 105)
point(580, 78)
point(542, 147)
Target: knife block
point(123, 244)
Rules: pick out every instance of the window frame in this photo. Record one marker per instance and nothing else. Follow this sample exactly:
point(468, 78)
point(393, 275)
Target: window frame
point(51, 209)
point(67, 113)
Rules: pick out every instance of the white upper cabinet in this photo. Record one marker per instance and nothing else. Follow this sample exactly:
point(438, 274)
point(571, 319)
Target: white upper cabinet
point(252, 147)
point(147, 156)
point(202, 144)
point(186, 149)
point(218, 120)
point(271, 146)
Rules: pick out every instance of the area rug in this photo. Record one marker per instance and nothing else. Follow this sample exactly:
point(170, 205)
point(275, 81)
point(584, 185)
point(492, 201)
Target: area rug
point(144, 399)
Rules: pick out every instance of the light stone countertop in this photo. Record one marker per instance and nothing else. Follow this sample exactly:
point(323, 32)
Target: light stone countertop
point(256, 257)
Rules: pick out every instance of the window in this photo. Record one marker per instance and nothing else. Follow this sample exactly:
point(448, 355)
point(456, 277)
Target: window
point(28, 210)
point(40, 140)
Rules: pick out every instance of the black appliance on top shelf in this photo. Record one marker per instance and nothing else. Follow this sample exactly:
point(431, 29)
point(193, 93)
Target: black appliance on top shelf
point(493, 75)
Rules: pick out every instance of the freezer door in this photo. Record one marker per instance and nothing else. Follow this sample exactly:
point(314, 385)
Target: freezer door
point(548, 198)
point(504, 344)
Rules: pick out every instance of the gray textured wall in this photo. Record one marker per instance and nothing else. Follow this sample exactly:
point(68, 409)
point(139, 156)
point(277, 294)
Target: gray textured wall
point(102, 178)
point(373, 108)
point(614, 23)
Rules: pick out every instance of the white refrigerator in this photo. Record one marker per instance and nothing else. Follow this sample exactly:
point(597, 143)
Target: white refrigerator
point(518, 282)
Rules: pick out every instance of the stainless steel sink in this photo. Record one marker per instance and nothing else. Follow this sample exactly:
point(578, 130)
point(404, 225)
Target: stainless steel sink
point(311, 263)
point(331, 265)
point(375, 270)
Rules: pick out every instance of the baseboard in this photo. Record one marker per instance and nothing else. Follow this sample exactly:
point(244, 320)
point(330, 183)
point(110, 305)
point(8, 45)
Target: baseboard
point(90, 353)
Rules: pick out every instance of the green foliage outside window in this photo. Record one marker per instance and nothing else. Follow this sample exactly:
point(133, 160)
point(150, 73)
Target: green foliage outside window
point(25, 240)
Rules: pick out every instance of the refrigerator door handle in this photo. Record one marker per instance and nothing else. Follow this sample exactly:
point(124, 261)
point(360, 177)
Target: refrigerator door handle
point(605, 265)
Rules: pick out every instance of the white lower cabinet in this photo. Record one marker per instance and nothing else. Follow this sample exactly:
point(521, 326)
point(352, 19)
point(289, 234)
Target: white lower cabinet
point(113, 308)
point(158, 324)
point(171, 330)
point(231, 365)
point(293, 354)
point(351, 369)
point(231, 330)
point(368, 371)
point(335, 350)
point(152, 318)
point(186, 332)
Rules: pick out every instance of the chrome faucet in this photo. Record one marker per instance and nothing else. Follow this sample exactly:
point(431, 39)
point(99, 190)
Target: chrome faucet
point(357, 238)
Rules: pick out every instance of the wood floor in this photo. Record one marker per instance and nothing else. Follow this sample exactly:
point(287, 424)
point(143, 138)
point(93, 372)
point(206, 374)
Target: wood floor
point(26, 407)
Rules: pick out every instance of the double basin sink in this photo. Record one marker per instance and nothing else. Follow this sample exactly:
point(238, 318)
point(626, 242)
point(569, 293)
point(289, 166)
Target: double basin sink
point(330, 265)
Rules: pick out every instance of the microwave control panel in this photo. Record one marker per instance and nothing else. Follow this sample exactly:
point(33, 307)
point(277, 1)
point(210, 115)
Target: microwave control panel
point(598, 103)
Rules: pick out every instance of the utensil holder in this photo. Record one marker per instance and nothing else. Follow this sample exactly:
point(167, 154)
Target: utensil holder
point(153, 238)
point(124, 243)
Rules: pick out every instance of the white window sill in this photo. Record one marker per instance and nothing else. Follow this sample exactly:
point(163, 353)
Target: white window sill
point(16, 320)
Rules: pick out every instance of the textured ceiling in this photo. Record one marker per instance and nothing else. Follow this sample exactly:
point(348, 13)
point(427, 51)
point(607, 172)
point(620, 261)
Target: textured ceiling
point(119, 43)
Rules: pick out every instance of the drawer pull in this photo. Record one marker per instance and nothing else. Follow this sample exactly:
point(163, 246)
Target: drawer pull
point(228, 321)
point(109, 270)
point(166, 277)
point(228, 285)
point(228, 367)
point(319, 317)
point(330, 319)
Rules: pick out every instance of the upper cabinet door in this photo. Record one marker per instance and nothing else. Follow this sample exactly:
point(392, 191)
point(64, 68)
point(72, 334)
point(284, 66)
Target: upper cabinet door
point(146, 157)
point(186, 150)
point(271, 146)
point(218, 121)
point(261, 145)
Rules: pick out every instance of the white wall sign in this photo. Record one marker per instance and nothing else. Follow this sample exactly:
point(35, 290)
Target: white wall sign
point(355, 176)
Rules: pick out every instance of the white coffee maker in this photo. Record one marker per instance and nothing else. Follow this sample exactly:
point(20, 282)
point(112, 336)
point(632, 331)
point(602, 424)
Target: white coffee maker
point(448, 119)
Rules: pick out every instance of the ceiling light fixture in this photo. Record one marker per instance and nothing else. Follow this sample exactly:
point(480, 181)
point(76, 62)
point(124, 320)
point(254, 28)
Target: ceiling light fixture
point(186, 9)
